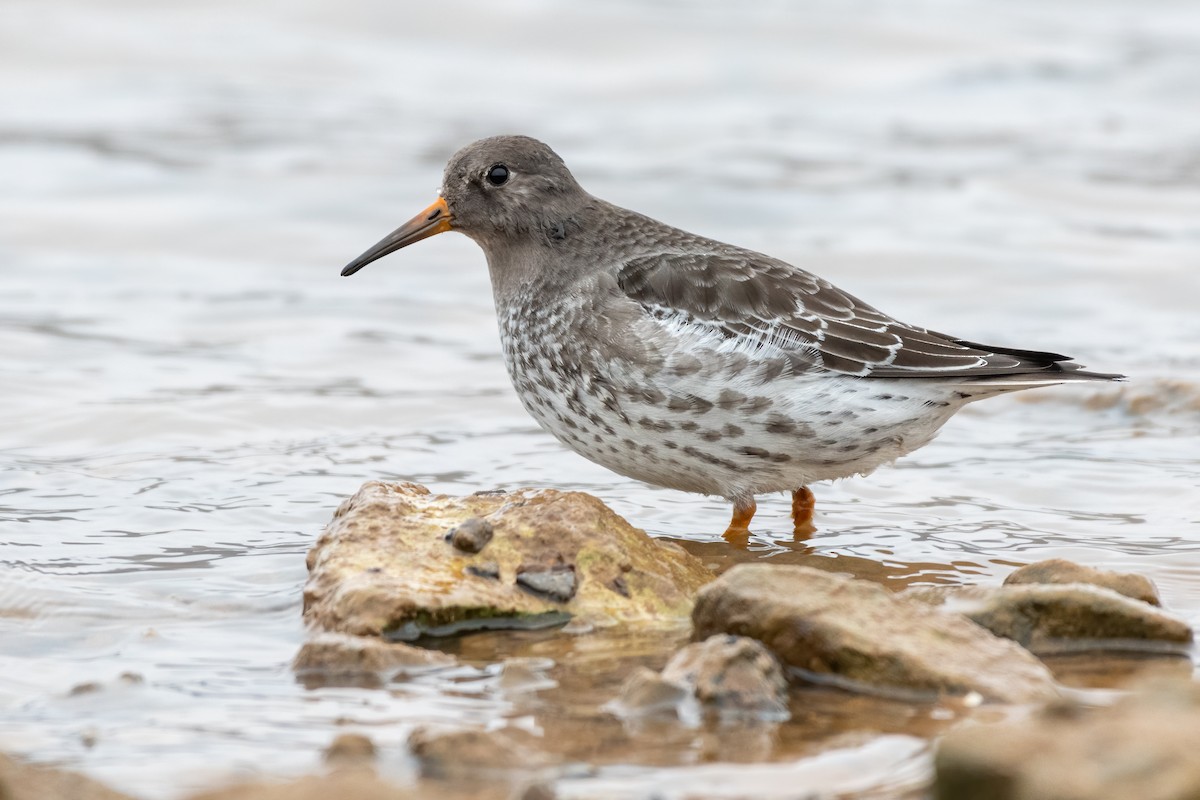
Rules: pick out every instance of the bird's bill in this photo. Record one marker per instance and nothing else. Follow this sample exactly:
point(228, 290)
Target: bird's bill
point(430, 222)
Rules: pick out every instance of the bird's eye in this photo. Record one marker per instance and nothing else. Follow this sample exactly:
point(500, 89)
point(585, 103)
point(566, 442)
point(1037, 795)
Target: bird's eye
point(497, 175)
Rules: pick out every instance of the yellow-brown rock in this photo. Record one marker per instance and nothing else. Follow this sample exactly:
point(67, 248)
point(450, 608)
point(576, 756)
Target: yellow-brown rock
point(857, 632)
point(387, 564)
point(1059, 570)
point(344, 785)
point(20, 781)
point(1144, 747)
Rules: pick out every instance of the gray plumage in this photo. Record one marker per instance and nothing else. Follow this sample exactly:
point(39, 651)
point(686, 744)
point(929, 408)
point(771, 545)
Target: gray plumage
point(690, 363)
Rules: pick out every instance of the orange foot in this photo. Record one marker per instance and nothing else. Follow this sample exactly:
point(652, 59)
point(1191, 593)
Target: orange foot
point(803, 502)
point(738, 532)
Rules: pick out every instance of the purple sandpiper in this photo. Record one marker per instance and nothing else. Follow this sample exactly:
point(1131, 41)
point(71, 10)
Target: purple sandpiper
point(693, 364)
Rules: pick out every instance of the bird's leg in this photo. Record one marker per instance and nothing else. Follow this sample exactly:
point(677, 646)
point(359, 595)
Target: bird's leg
point(738, 532)
point(803, 502)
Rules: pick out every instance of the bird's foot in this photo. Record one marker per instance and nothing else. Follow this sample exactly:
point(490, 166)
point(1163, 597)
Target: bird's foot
point(803, 502)
point(738, 532)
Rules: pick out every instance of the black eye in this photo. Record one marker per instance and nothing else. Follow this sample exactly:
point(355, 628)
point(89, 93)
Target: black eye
point(497, 175)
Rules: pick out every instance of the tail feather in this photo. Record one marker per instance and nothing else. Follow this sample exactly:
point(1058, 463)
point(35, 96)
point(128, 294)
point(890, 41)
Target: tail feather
point(1037, 368)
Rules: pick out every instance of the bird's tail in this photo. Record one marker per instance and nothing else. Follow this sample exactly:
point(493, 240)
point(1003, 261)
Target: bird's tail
point(1036, 369)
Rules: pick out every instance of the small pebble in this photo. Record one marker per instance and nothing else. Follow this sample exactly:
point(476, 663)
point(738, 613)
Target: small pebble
point(556, 583)
point(488, 569)
point(471, 536)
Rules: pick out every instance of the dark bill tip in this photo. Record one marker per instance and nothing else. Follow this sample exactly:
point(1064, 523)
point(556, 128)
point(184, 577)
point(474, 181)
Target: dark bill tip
point(430, 222)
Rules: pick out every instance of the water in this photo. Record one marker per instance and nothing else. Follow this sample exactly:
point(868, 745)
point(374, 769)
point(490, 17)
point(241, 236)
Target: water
point(189, 388)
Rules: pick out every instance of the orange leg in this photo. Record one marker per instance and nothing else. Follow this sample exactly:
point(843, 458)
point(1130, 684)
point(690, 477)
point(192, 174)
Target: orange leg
point(738, 531)
point(803, 502)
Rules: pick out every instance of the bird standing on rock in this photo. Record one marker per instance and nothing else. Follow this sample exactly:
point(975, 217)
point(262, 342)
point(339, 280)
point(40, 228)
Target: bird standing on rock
point(690, 363)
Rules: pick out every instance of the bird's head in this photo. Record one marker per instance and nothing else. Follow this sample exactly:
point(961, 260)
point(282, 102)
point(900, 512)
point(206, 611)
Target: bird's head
point(497, 190)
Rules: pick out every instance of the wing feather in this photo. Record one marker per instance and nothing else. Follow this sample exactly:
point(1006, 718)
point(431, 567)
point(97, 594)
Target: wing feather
point(757, 302)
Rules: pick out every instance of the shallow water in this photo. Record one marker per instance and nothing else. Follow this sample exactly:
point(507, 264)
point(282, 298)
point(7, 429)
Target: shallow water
point(189, 389)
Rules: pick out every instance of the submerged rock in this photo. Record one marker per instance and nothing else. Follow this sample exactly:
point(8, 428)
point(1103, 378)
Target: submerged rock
point(847, 630)
point(731, 672)
point(383, 566)
point(646, 693)
point(330, 657)
point(1059, 570)
point(351, 750)
point(1144, 747)
point(357, 784)
point(732, 675)
point(472, 754)
point(1050, 618)
point(19, 781)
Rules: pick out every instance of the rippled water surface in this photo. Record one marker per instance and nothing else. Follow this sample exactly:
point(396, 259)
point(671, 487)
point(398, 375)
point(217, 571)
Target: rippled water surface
point(189, 389)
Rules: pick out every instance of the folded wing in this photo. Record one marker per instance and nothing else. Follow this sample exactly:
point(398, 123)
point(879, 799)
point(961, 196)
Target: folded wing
point(758, 302)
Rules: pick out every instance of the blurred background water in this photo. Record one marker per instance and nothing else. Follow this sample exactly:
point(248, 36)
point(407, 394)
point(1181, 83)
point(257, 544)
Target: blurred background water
point(188, 389)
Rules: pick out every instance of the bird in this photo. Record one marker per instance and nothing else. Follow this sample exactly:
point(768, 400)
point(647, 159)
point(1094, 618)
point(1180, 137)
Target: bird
point(692, 364)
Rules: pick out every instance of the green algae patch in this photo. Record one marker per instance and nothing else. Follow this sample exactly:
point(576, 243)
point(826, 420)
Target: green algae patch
point(384, 565)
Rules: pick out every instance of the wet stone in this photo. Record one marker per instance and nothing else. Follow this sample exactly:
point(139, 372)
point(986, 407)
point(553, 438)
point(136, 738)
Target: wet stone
point(731, 675)
point(859, 635)
point(555, 583)
point(328, 657)
point(473, 754)
point(538, 791)
point(350, 749)
point(1142, 747)
point(382, 567)
point(471, 536)
point(526, 674)
point(1069, 617)
point(1059, 570)
point(646, 693)
point(90, 687)
point(347, 784)
point(20, 781)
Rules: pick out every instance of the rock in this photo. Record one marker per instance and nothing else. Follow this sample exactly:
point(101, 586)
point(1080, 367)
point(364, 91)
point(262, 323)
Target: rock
point(1059, 570)
point(90, 687)
point(538, 791)
point(473, 754)
point(526, 674)
point(732, 675)
point(344, 785)
point(330, 657)
point(350, 750)
point(471, 536)
point(1049, 618)
point(1143, 747)
point(19, 781)
point(645, 693)
point(854, 631)
point(382, 567)
point(555, 582)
